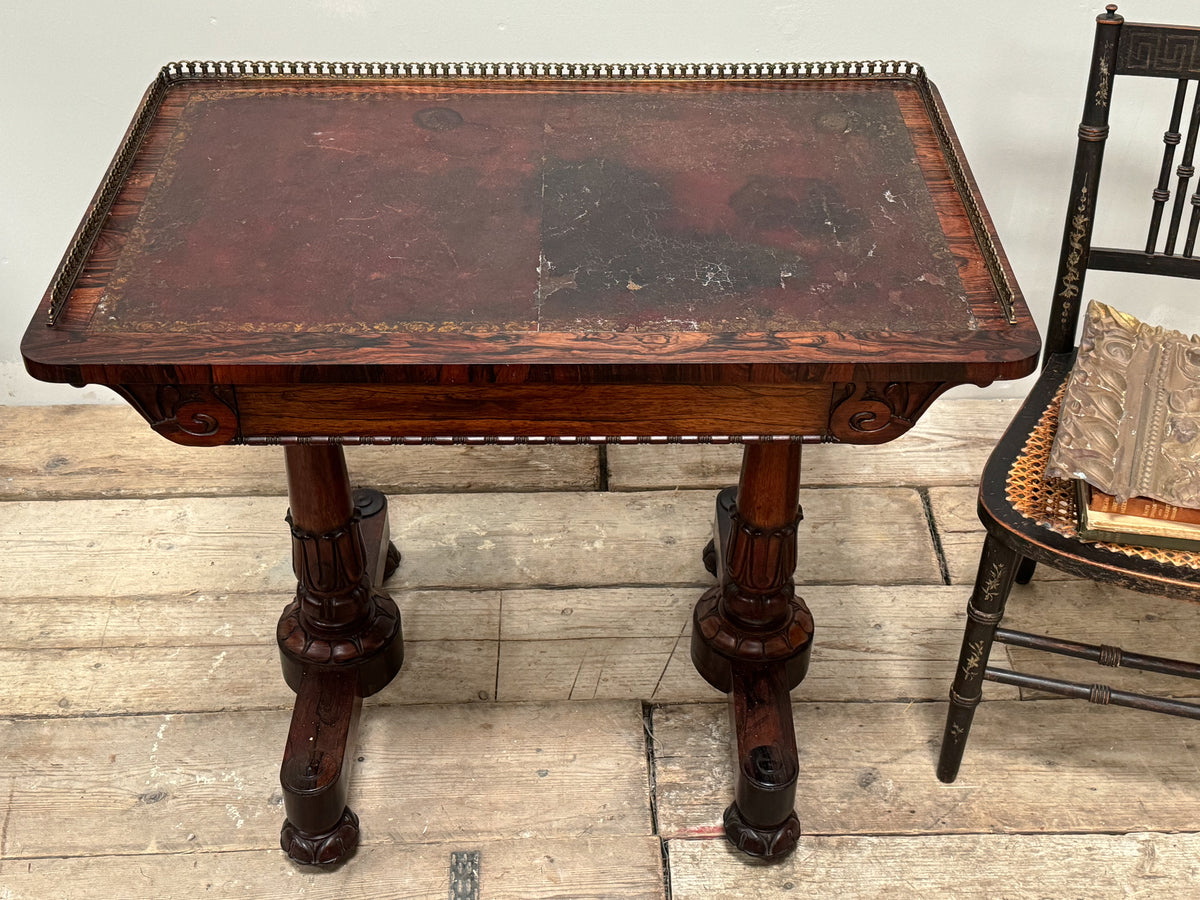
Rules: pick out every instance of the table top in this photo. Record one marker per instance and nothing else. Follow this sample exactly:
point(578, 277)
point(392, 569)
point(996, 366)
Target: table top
point(766, 224)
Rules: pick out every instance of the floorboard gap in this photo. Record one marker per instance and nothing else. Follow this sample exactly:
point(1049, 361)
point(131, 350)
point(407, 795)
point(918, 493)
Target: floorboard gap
point(602, 468)
point(938, 549)
point(652, 772)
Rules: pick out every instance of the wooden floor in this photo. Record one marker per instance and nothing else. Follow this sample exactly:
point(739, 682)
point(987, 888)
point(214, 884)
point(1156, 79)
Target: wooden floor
point(547, 715)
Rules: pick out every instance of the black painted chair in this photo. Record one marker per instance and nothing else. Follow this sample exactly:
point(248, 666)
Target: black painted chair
point(1030, 519)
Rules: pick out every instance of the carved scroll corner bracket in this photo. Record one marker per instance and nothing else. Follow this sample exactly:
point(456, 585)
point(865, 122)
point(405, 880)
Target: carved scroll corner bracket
point(193, 415)
point(877, 412)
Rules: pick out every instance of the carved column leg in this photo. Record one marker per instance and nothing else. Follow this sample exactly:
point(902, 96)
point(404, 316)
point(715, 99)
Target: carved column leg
point(339, 641)
point(752, 637)
point(997, 567)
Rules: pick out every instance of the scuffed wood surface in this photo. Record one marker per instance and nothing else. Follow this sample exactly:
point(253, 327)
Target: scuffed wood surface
point(478, 541)
point(966, 867)
point(873, 643)
point(962, 534)
point(219, 620)
point(877, 642)
point(1031, 766)
point(75, 452)
point(621, 643)
point(207, 783)
point(197, 679)
point(592, 867)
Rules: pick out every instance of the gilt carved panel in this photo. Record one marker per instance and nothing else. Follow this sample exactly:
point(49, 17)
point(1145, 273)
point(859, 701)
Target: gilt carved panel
point(1130, 420)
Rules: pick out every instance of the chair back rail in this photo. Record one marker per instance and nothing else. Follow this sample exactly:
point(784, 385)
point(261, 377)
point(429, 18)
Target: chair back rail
point(1160, 51)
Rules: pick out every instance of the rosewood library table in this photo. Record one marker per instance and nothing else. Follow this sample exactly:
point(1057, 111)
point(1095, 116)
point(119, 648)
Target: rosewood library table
point(314, 254)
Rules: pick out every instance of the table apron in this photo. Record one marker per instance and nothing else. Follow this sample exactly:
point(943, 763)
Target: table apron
point(399, 411)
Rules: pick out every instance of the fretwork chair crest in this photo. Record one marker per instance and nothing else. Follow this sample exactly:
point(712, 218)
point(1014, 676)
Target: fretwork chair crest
point(1031, 519)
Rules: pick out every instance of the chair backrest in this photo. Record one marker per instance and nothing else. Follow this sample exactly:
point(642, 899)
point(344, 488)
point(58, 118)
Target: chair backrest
point(1156, 51)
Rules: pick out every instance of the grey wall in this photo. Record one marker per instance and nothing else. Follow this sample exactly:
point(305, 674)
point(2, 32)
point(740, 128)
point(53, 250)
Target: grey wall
point(71, 74)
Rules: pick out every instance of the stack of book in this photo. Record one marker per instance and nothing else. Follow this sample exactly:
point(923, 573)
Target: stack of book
point(1139, 520)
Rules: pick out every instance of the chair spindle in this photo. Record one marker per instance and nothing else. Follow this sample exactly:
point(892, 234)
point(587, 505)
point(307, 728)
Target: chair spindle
point(1185, 172)
point(1189, 245)
point(1171, 139)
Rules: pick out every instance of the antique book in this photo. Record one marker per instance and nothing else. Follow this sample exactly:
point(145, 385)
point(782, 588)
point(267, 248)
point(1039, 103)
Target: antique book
point(1130, 418)
point(1138, 520)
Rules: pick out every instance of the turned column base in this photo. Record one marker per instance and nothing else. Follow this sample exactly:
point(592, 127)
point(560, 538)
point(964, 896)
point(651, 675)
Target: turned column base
point(717, 643)
point(375, 654)
point(375, 647)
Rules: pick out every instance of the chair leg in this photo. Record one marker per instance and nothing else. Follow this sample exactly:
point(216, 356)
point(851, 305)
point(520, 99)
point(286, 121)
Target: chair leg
point(997, 568)
point(1025, 570)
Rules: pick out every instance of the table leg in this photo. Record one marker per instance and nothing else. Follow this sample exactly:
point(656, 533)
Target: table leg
point(752, 638)
point(339, 641)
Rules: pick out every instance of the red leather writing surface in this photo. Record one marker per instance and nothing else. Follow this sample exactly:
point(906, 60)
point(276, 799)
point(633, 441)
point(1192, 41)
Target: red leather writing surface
point(580, 208)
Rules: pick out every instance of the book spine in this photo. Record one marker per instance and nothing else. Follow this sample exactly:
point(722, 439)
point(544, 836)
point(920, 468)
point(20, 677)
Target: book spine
point(1143, 508)
point(1139, 540)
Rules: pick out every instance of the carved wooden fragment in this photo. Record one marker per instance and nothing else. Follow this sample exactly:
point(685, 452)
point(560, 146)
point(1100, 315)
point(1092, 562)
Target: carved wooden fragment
point(1130, 419)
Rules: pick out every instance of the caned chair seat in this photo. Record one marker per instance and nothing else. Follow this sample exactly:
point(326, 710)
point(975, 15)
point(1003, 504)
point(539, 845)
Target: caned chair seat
point(1038, 515)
